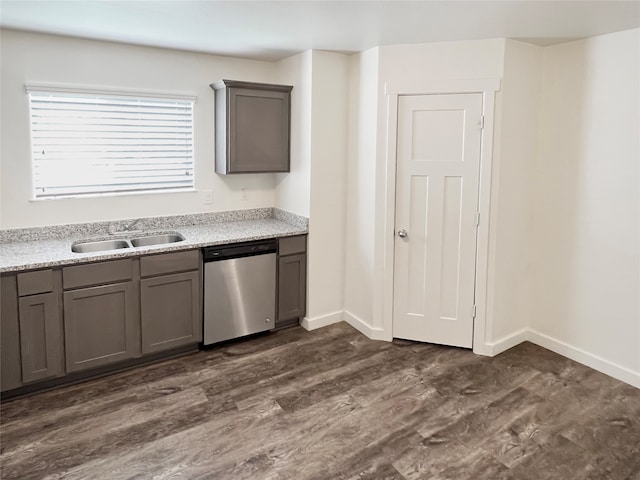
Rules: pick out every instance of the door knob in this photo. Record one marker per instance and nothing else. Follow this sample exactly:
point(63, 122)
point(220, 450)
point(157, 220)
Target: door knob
point(402, 233)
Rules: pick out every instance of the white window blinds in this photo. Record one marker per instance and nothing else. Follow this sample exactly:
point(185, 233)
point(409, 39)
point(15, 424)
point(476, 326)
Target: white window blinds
point(87, 144)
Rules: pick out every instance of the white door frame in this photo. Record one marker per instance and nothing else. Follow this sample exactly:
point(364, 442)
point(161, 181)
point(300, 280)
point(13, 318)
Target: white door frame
point(488, 88)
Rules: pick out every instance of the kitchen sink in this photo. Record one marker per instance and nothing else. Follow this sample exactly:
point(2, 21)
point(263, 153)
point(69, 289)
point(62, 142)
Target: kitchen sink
point(99, 246)
point(89, 246)
point(156, 239)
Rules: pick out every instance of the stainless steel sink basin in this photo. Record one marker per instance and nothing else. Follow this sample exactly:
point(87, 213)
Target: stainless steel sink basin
point(88, 247)
point(156, 239)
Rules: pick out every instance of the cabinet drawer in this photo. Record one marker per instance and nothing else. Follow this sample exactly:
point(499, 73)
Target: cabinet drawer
point(169, 263)
point(291, 245)
point(97, 273)
point(31, 283)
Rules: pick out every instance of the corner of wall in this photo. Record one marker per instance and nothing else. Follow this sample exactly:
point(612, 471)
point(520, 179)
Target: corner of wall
point(360, 207)
point(515, 140)
point(292, 189)
point(586, 224)
point(328, 183)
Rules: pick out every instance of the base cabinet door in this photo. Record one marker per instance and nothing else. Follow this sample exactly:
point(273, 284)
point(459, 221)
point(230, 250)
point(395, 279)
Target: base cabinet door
point(101, 326)
point(292, 287)
point(170, 308)
point(40, 337)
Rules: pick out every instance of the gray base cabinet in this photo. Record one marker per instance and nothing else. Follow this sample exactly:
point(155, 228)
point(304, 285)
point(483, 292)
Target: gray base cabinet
point(292, 280)
point(32, 345)
point(10, 362)
point(292, 287)
point(170, 306)
point(40, 337)
point(86, 319)
point(101, 326)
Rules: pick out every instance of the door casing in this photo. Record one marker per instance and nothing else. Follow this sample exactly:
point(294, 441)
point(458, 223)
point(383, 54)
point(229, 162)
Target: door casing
point(488, 89)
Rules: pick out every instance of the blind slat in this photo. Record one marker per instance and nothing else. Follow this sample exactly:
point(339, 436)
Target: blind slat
point(86, 144)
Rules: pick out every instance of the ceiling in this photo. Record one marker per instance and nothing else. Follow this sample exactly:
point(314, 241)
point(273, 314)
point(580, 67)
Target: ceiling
point(271, 30)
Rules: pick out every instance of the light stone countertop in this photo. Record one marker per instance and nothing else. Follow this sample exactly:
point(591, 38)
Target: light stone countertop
point(29, 255)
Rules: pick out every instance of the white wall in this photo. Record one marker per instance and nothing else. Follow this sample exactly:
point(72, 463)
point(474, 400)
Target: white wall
point(27, 57)
point(292, 189)
point(564, 256)
point(586, 221)
point(361, 169)
point(442, 60)
point(316, 185)
point(514, 154)
point(410, 64)
point(327, 218)
point(369, 204)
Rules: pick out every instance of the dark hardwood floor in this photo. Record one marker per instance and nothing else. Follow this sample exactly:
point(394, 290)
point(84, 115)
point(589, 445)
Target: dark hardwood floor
point(331, 404)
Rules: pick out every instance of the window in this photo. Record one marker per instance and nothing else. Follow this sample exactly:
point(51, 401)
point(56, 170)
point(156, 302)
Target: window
point(88, 144)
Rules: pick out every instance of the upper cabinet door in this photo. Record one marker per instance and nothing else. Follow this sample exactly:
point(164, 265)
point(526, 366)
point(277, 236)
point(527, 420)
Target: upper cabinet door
point(252, 127)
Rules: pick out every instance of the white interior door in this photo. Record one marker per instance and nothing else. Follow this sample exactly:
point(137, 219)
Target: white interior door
point(438, 166)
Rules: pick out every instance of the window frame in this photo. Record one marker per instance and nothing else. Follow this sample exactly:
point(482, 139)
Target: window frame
point(106, 92)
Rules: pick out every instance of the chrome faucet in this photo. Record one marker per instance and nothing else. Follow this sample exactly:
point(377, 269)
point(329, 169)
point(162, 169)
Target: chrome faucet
point(129, 226)
point(114, 229)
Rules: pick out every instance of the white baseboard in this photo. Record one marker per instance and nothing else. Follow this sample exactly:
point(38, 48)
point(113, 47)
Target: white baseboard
point(363, 327)
point(566, 350)
point(335, 317)
point(322, 321)
point(505, 343)
point(590, 360)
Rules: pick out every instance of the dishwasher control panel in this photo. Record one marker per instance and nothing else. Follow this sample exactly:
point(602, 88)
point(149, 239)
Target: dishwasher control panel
point(240, 250)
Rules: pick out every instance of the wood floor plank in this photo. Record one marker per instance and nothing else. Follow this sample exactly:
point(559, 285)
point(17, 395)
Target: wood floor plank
point(331, 404)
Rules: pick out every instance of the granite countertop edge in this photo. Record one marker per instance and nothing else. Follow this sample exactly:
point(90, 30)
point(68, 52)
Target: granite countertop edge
point(47, 253)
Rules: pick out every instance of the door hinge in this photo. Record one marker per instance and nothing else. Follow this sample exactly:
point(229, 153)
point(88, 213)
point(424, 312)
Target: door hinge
point(481, 122)
point(474, 312)
point(477, 218)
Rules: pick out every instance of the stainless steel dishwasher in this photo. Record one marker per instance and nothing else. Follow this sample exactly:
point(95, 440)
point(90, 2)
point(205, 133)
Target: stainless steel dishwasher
point(239, 290)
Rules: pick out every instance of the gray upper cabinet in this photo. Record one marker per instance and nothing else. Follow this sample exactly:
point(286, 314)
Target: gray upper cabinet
point(252, 127)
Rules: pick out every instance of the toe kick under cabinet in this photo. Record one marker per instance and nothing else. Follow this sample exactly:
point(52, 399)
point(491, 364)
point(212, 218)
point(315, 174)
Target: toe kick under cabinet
point(68, 323)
